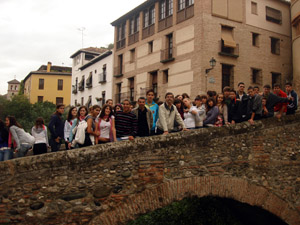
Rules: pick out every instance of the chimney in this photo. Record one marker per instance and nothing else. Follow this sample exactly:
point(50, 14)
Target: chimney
point(49, 67)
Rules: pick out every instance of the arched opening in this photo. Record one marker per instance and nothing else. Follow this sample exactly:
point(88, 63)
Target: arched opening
point(208, 210)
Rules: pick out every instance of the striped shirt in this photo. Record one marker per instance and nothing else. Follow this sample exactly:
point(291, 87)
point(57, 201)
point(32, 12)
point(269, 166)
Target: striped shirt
point(126, 124)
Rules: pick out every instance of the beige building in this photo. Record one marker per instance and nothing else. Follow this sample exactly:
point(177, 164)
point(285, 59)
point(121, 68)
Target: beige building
point(167, 45)
point(295, 15)
point(13, 88)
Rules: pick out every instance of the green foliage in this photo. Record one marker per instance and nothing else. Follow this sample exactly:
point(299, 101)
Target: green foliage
point(21, 91)
point(25, 112)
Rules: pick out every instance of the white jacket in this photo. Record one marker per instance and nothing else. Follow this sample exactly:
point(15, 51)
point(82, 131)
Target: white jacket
point(190, 120)
point(40, 135)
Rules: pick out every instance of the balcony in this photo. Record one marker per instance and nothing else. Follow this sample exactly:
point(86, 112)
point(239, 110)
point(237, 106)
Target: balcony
point(81, 85)
point(133, 38)
point(74, 89)
point(185, 13)
point(166, 55)
point(121, 43)
point(118, 71)
point(148, 31)
point(165, 23)
point(228, 51)
point(89, 82)
point(102, 77)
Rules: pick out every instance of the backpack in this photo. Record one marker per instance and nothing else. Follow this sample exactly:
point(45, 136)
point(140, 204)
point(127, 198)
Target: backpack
point(80, 132)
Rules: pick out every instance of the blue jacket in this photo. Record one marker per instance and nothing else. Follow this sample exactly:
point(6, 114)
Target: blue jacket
point(56, 126)
point(154, 109)
point(293, 105)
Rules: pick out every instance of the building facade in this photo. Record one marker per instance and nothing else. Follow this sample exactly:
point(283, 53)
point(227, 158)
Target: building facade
point(295, 16)
point(91, 76)
point(49, 83)
point(167, 45)
point(13, 88)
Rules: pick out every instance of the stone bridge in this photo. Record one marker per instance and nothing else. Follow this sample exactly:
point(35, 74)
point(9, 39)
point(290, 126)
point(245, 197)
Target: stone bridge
point(116, 182)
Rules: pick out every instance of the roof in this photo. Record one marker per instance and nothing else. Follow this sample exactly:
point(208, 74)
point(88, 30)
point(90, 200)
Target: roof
point(133, 12)
point(97, 59)
point(91, 50)
point(56, 68)
point(43, 72)
point(14, 81)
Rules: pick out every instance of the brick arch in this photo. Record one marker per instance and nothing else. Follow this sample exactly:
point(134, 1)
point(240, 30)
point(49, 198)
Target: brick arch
point(175, 190)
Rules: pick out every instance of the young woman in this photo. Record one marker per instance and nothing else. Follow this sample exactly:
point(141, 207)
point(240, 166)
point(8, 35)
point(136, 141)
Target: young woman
point(223, 111)
point(201, 110)
point(23, 140)
point(106, 126)
point(56, 128)
point(118, 107)
point(212, 113)
point(72, 114)
point(5, 152)
point(179, 106)
point(191, 114)
point(39, 132)
point(91, 126)
point(81, 115)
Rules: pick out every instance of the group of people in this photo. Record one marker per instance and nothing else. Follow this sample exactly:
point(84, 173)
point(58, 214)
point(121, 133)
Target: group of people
point(95, 125)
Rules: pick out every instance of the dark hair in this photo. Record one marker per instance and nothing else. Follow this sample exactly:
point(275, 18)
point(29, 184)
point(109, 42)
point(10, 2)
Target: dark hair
point(59, 105)
point(151, 90)
point(207, 105)
point(121, 107)
point(126, 100)
point(13, 121)
point(203, 96)
point(250, 88)
point(276, 85)
point(39, 122)
point(289, 84)
point(143, 98)
point(178, 96)
point(3, 131)
point(70, 117)
point(160, 103)
point(209, 93)
point(86, 109)
point(96, 107)
point(232, 90)
point(241, 83)
point(256, 87)
point(185, 95)
point(198, 97)
point(168, 93)
point(267, 86)
point(102, 114)
point(176, 101)
point(264, 98)
point(108, 100)
point(226, 88)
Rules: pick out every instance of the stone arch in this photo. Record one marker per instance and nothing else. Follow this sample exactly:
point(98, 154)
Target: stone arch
point(228, 187)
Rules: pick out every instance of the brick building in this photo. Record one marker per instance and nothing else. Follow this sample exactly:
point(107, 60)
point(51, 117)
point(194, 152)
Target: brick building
point(295, 16)
point(167, 45)
point(13, 88)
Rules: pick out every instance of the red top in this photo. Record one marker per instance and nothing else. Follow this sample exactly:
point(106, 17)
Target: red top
point(279, 106)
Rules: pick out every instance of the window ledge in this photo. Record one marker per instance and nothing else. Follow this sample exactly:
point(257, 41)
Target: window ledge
point(228, 54)
point(167, 60)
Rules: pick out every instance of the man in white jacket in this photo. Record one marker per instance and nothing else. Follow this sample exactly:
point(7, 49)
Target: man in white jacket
point(168, 114)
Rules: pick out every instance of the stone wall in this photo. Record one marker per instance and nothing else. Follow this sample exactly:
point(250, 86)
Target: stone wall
point(112, 183)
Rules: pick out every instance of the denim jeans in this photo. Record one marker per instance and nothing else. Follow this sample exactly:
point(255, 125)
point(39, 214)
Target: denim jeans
point(54, 145)
point(6, 154)
point(23, 150)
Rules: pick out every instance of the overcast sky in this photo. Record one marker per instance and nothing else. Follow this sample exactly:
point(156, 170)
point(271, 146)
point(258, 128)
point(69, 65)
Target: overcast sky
point(34, 32)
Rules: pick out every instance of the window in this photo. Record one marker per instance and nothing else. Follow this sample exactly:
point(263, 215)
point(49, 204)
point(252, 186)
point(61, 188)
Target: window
point(170, 45)
point(255, 40)
point(40, 98)
point(153, 76)
point(82, 100)
point(228, 44)
point(165, 76)
point(150, 46)
point(275, 46)
point(120, 65)
point(41, 84)
point(184, 4)
point(118, 92)
point(256, 76)
point(11, 87)
point(102, 76)
point(75, 102)
point(16, 87)
point(60, 84)
point(149, 16)
point(134, 25)
point(131, 88)
point(227, 75)
point(273, 15)
point(167, 54)
point(103, 98)
point(166, 9)
point(89, 80)
point(59, 100)
point(121, 36)
point(132, 55)
point(276, 78)
point(254, 8)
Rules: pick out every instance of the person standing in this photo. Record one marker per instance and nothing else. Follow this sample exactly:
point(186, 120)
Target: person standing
point(144, 118)
point(212, 112)
point(5, 151)
point(126, 122)
point(191, 114)
point(56, 128)
point(153, 107)
point(242, 97)
point(255, 107)
point(39, 132)
point(293, 105)
point(72, 114)
point(168, 114)
point(279, 108)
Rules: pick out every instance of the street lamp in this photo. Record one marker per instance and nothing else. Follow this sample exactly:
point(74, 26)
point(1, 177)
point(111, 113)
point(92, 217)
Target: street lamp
point(212, 63)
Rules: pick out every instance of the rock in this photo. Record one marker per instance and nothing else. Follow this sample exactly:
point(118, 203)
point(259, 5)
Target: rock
point(21, 201)
point(73, 196)
point(37, 205)
point(126, 174)
point(101, 191)
point(30, 214)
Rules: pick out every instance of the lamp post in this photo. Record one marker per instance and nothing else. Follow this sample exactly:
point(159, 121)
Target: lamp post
point(212, 63)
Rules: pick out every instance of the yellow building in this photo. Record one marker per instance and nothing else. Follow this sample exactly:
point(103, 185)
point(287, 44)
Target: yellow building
point(49, 83)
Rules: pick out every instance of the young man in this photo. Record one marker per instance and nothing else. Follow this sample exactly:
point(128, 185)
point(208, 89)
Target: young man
point(153, 107)
point(243, 98)
point(233, 115)
point(256, 89)
point(279, 108)
point(272, 100)
point(126, 122)
point(109, 102)
point(254, 106)
point(226, 93)
point(56, 127)
point(168, 114)
point(293, 105)
point(144, 118)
